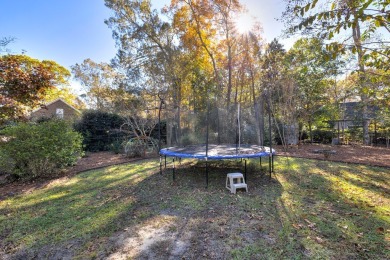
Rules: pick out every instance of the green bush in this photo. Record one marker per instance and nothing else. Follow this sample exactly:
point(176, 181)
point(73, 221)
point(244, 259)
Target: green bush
point(32, 150)
point(139, 147)
point(100, 130)
point(322, 136)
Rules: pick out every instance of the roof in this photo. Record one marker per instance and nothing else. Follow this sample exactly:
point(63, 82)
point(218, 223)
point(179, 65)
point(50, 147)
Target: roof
point(353, 110)
point(54, 101)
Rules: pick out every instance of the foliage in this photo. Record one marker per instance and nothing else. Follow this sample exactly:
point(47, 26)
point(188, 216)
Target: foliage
point(313, 73)
point(105, 87)
point(322, 136)
point(33, 150)
point(4, 42)
point(64, 93)
point(140, 146)
point(280, 91)
point(353, 134)
point(364, 18)
point(351, 27)
point(23, 82)
point(100, 130)
point(116, 146)
point(189, 53)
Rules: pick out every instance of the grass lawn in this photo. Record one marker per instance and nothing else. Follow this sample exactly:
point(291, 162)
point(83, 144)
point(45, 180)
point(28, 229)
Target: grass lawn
point(310, 209)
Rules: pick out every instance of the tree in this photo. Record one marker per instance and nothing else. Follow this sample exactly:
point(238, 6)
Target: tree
point(4, 42)
point(312, 70)
point(149, 54)
point(64, 93)
point(349, 25)
point(98, 80)
point(280, 92)
point(190, 53)
point(23, 82)
point(207, 29)
point(248, 73)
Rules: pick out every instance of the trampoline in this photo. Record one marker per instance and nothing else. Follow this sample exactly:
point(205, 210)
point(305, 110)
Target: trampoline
point(210, 130)
point(217, 152)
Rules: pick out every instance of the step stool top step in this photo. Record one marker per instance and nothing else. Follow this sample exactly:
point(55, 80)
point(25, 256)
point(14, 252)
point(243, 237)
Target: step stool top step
point(234, 175)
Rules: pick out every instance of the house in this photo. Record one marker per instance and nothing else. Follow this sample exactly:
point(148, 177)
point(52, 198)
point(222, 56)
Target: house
point(352, 115)
point(57, 108)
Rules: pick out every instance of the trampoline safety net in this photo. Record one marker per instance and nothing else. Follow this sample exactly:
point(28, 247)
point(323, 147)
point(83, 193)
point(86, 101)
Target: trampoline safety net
point(206, 128)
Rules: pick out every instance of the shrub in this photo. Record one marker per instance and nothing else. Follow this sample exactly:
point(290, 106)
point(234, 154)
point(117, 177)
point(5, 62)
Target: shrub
point(322, 136)
point(116, 147)
point(32, 150)
point(100, 130)
point(139, 147)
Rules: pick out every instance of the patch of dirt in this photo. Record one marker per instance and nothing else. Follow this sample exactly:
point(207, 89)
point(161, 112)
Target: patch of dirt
point(149, 240)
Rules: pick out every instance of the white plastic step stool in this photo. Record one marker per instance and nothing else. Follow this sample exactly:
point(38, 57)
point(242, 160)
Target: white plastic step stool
point(235, 181)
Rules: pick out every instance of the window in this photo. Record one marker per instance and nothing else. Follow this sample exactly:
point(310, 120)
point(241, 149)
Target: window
point(60, 113)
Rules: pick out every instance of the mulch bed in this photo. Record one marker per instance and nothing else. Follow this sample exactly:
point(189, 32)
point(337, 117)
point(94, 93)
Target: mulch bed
point(368, 155)
point(373, 156)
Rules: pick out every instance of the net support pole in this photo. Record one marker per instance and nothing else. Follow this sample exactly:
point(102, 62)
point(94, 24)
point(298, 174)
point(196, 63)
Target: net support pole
point(238, 130)
point(207, 173)
point(159, 126)
point(245, 170)
point(160, 164)
point(260, 162)
point(207, 138)
point(270, 165)
point(270, 135)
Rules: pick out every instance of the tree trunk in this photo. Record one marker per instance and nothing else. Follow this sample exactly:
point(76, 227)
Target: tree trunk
point(362, 78)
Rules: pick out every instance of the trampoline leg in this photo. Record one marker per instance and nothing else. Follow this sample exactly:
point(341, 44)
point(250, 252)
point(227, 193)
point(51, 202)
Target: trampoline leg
point(245, 171)
point(207, 174)
point(165, 158)
point(260, 163)
point(173, 169)
point(273, 164)
point(270, 165)
point(160, 165)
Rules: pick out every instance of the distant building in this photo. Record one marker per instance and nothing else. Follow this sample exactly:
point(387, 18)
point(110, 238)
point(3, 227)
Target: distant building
point(352, 115)
point(57, 108)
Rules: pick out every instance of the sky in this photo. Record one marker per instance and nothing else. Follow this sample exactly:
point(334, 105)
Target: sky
point(70, 31)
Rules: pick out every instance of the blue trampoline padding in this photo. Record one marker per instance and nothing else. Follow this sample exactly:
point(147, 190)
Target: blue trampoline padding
point(218, 152)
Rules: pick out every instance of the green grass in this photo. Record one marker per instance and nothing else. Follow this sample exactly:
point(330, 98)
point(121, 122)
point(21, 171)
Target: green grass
point(310, 209)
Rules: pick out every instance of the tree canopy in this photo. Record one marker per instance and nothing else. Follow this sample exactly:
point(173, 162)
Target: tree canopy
point(23, 83)
point(348, 26)
point(191, 54)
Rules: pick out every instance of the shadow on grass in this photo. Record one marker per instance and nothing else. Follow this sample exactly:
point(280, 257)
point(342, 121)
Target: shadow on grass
point(132, 211)
point(335, 218)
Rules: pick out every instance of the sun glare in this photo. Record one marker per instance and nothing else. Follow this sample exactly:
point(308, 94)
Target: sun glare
point(244, 23)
